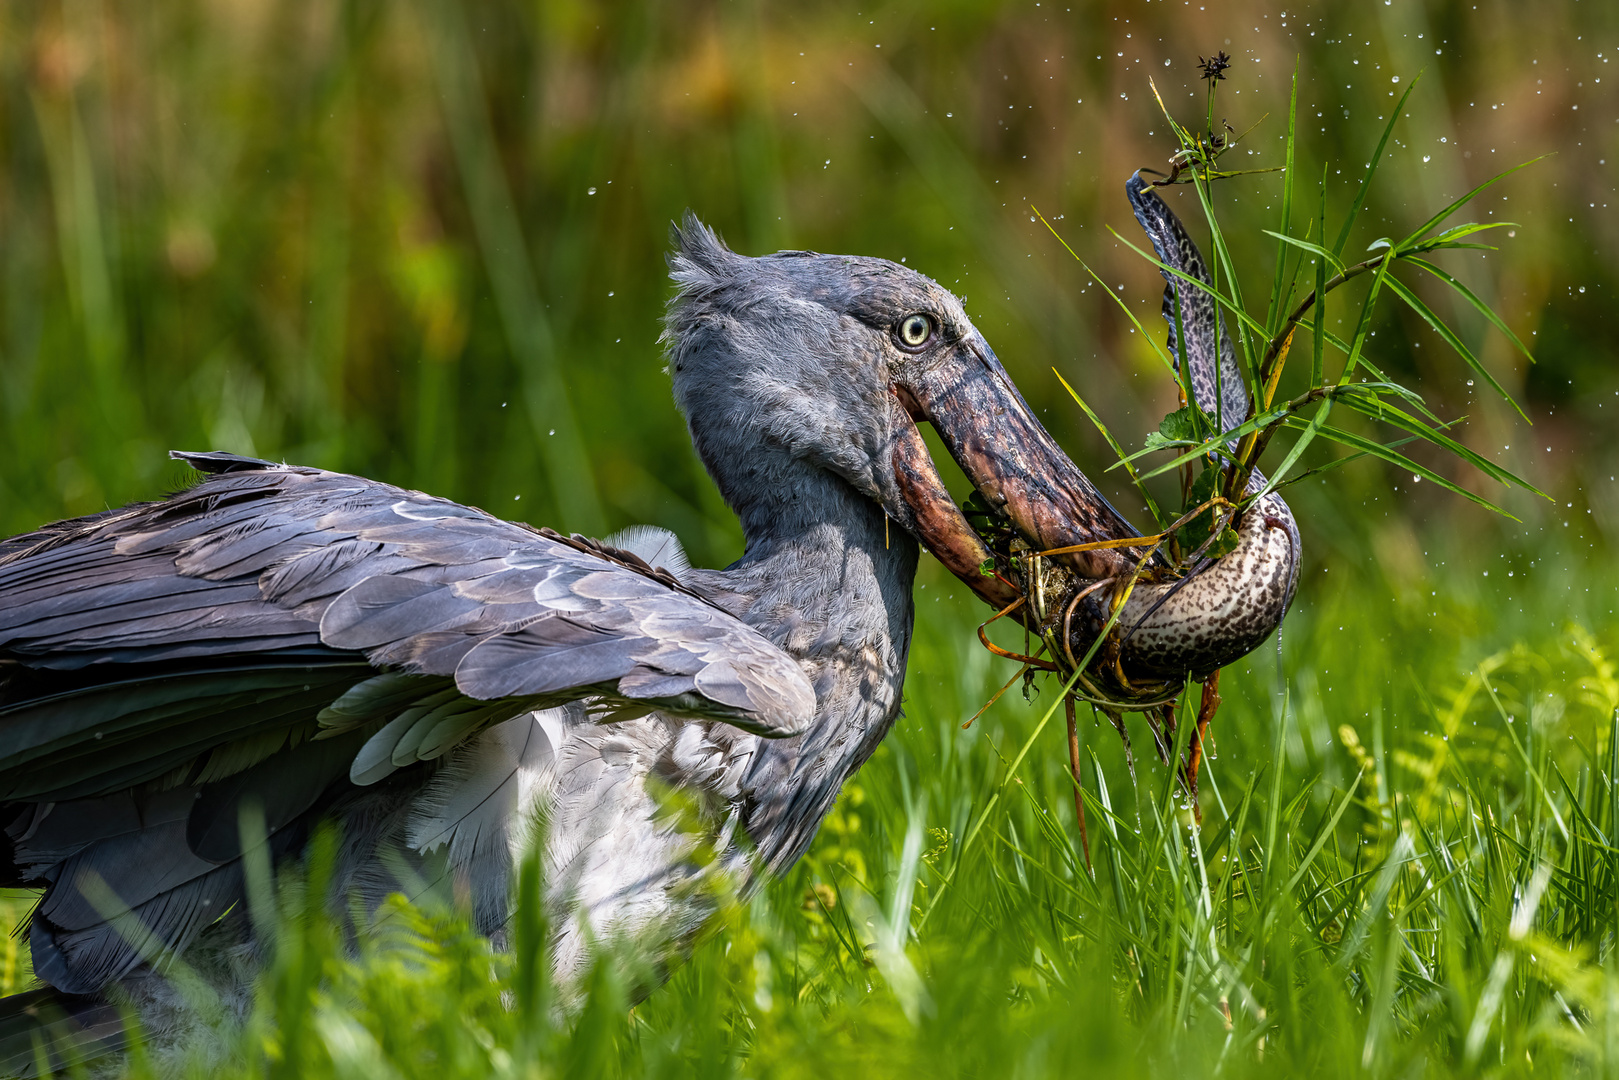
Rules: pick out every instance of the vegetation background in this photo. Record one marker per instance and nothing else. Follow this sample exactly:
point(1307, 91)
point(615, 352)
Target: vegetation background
point(423, 241)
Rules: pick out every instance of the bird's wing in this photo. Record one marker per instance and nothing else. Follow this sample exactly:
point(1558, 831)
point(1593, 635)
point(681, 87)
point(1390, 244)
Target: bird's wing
point(272, 603)
point(274, 637)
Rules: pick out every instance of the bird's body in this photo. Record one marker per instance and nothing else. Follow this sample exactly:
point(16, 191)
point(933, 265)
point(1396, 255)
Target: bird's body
point(445, 688)
point(285, 646)
point(832, 595)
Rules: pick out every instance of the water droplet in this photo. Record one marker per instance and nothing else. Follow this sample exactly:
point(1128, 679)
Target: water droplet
point(590, 191)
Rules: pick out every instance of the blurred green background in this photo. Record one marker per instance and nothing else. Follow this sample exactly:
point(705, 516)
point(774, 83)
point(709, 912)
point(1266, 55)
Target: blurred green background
point(424, 241)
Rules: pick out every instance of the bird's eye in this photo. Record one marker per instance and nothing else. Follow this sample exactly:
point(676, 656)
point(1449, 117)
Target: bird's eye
point(915, 330)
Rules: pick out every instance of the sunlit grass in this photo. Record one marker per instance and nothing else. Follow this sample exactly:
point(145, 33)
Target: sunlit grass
point(289, 237)
point(1406, 863)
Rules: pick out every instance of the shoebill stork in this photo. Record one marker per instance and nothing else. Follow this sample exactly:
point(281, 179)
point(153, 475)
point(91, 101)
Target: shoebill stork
point(317, 646)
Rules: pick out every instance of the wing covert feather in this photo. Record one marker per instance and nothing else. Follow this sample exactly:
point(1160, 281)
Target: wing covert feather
point(262, 558)
point(165, 664)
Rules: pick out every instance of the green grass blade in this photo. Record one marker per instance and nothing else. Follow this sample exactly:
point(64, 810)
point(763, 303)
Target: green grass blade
point(1385, 387)
point(1478, 305)
point(1152, 504)
point(1337, 462)
point(1456, 247)
point(1428, 225)
point(1159, 349)
point(1297, 449)
point(1220, 298)
point(1371, 169)
point(1222, 262)
point(1278, 285)
point(1450, 236)
point(1183, 377)
point(1323, 834)
point(1386, 453)
point(1363, 326)
point(1378, 409)
point(1314, 249)
point(1329, 338)
point(1317, 344)
point(1414, 302)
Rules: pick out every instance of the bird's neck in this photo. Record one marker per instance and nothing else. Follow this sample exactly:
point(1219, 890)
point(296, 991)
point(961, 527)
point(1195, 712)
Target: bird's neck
point(827, 577)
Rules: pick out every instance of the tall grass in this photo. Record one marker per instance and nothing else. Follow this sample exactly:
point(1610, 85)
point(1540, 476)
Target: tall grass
point(1406, 866)
point(382, 237)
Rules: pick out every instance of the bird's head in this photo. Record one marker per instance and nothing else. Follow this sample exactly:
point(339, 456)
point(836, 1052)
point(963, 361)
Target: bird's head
point(831, 361)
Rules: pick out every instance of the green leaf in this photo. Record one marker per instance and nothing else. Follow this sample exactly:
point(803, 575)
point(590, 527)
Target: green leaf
point(1379, 450)
point(1194, 532)
point(1463, 201)
point(1186, 424)
point(1220, 443)
point(1225, 545)
point(1118, 451)
point(1414, 302)
point(1371, 169)
point(1314, 249)
point(1378, 409)
point(1478, 305)
point(1273, 318)
point(1156, 441)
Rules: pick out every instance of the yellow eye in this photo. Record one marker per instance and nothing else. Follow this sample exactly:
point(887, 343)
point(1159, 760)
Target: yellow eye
point(915, 330)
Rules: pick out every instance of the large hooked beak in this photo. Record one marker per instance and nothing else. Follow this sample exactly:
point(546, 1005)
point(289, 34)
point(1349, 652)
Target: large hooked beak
point(1011, 460)
point(1169, 627)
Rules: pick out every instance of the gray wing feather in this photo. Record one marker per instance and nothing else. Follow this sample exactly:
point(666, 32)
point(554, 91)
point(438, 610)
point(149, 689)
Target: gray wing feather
point(653, 546)
point(165, 893)
point(272, 557)
point(472, 808)
point(222, 646)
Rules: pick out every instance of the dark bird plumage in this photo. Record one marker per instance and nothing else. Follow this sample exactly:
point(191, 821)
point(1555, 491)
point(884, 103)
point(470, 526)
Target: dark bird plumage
point(285, 645)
